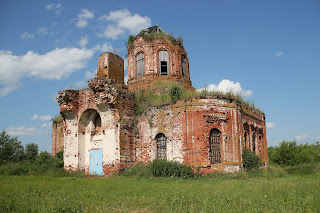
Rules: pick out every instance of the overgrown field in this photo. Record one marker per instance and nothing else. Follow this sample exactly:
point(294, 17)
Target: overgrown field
point(290, 193)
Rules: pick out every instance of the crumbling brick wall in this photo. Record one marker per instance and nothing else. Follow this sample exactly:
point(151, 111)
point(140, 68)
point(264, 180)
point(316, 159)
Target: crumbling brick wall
point(187, 126)
point(151, 50)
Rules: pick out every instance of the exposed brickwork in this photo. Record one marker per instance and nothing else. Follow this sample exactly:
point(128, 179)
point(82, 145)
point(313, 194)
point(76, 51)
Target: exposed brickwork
point(151, 50)
point(101, 117)
point(111, 66)
point(57, 137)
point(187, 124)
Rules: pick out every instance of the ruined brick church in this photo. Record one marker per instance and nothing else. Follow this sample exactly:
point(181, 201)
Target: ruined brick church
point(100, 132)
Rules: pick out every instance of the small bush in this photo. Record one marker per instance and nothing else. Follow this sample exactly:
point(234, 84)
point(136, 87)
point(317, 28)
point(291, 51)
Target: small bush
point(250, 160)
point(164, 168)
point(175, 93)
point(303, 169)
point(159, 168)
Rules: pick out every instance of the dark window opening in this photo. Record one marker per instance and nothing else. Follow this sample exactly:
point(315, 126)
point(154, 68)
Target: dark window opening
point(161, 146)
point(245, 141)
point(254, 142)
point(140, 65)
point(164, 63)
point(215, 146)
point(97, 121)
point(184, 65)
point(164, 68)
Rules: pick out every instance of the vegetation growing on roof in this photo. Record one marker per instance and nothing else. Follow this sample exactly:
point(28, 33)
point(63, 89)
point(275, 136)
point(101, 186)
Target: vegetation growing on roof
point(57, 119)
point(167, 92)
point(155, 36)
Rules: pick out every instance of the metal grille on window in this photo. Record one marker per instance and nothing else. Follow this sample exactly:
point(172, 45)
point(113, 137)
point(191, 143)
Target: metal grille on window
point(184, 65)
point(140, 65)
point(161, 146)
point(164, 63)
point(215, 146)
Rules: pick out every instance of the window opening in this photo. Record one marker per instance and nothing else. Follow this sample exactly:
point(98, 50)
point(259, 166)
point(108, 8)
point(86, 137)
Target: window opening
point(245, 140)
point(140, 65)
point(164, 62)
point(183, 65)
point(161, 146)
point(97, 121)
point(215, 146)
point(254, 142)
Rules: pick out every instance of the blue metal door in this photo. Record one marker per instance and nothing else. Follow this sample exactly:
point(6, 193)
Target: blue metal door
point(95, 167)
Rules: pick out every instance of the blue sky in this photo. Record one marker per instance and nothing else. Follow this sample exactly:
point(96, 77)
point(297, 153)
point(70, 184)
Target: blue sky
point(267, 50)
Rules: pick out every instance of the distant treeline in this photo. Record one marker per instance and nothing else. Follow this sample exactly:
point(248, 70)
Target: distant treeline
point(288, 153)
point(15, 159)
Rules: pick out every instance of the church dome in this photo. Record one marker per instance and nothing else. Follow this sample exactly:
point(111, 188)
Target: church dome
point(156, 56)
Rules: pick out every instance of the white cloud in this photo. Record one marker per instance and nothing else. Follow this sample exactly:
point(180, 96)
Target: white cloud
point(42, 118)
point(24, 131)
point(271, 125)
point(122, 21)
point(104, 48)
point(126, 79)
point(42, 30)
point(83, 41)
point(53, 65)
point(46, 125)
point(56, 7)
point(90, 75)
point(279, 53)
point(26, 35)
point(226, 86)
point(318, 138)
point(301, 137)
point(78, 85)
point(83, 18)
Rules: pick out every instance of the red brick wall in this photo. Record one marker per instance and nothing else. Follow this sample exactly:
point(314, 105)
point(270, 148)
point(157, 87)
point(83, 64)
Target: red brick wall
point(151, 50)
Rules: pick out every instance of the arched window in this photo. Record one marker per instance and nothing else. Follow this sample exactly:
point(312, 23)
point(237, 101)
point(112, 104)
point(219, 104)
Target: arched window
point(184, 65)
point(245, 140)
point(140, 64)
point(164, 62)
point(215, 146)
point(161, 146)
point(254, 142)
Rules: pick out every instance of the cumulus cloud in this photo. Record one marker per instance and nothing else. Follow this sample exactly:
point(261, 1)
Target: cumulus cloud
point(42, 118)
point(301, 137)
point(78, 85)
point(226, 86)
point(42, 30)
point(271, 125)
point(279, 53)
point(26, 35)
point(56, 7)
point(318, 138)
point(83, 41)
point(123, 21)
point(90, 75)
point(46, 125)
point(104, 48)
point(83, 18)
point(53, 65)
point(25, 131)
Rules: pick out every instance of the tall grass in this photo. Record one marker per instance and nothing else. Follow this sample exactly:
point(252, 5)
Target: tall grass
point(290, 193)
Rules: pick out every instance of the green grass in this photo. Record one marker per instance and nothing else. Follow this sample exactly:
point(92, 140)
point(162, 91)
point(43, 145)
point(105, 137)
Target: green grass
point(290, 193)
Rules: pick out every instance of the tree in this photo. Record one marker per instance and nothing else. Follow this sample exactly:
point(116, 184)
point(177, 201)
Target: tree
point(11, 149)
point(32, 151)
